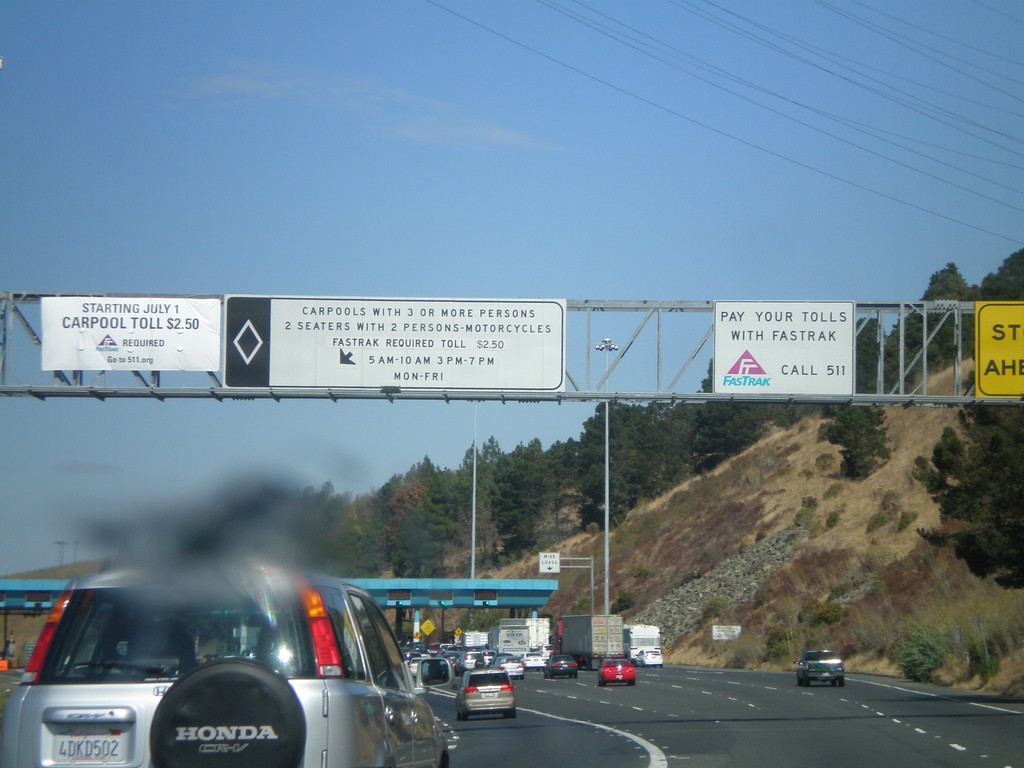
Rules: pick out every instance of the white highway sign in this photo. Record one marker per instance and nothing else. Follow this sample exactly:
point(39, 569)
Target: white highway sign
point(130, 333)
point(550, 562)
point(365, 343)
point(777, 347)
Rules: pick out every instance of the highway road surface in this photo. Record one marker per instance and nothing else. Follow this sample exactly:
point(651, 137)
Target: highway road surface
point(700, 718)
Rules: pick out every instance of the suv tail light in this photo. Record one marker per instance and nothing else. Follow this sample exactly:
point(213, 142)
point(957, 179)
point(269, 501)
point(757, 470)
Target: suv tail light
point(35, 663)
point(328, 657)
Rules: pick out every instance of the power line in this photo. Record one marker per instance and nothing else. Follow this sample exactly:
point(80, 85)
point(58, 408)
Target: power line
point(718, 131)
point(860, 128)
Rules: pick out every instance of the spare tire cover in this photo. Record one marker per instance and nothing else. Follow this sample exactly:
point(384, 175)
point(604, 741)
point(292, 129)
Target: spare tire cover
point(228, 714)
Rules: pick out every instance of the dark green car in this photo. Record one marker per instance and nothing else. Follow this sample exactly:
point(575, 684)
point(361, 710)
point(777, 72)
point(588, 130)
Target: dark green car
point(823, 666)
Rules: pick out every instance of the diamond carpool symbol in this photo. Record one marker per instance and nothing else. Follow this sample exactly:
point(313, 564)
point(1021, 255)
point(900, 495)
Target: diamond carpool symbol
point(247, 338)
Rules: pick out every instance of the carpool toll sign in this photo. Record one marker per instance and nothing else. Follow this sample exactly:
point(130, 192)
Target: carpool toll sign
point(999, 348)
point(131, 333)
point(788, 348)
point(417, 344)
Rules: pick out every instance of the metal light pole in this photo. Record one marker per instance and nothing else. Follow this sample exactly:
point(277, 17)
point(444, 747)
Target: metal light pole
point(472, 528)
point(606, 346)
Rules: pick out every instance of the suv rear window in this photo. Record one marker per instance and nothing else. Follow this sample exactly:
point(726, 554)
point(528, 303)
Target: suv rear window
point(117, 635)
point(488, 678)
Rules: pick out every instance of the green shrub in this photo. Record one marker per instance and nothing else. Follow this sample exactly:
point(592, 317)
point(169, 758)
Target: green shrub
point(920, 654)
point(833, 518)
point(622, 602)
point(641, 572)
point(985, 666)
point(906, 518)
point(715, 606)
point(833, 490)
point(863, 437)
point(828, 613)
point(877, 521)
point(776, 645)
point(803, 518)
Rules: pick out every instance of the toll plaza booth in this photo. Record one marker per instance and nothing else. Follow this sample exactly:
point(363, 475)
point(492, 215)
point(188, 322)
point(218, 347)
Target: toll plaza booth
point(35, 597)
point(415, 596)
point(24, 597)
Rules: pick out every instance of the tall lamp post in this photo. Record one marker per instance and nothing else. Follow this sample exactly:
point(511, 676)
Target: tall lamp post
point(606, 346)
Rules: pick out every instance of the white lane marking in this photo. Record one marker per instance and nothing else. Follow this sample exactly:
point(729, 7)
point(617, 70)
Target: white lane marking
point(958, 748)
point(655, 757)
point(939, 696)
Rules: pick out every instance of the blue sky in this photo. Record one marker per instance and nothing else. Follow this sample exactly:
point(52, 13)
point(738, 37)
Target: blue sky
point(665, 149)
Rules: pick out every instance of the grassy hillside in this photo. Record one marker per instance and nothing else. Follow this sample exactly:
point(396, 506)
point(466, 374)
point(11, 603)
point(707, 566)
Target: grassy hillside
point(860, 579)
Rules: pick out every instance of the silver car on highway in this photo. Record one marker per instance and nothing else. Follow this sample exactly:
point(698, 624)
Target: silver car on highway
point(253, 665)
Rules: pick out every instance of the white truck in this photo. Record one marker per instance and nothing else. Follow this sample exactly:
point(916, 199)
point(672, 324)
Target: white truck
point(539, 630)
point(511, 638)
point(474, 640)
point(640, 637)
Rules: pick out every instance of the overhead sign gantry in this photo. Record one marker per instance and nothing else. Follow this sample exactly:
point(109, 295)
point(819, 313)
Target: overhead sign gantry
point(527, 350)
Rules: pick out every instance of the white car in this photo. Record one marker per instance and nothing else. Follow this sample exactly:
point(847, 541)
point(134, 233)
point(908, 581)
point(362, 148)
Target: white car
point(533, 660)
point(511, 664)
point(650, 658)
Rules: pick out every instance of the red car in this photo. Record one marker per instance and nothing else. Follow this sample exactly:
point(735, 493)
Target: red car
point(616, 671)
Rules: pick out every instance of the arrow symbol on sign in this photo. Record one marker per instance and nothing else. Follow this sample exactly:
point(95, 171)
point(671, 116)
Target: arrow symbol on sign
point(345, 358)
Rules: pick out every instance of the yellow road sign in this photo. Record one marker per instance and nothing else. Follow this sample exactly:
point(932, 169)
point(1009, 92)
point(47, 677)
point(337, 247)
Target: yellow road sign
point(999, 348)
point(427, 627)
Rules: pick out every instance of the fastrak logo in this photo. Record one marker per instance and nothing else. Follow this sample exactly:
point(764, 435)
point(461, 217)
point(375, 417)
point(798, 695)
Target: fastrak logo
point(746, 372)
point(107, 345)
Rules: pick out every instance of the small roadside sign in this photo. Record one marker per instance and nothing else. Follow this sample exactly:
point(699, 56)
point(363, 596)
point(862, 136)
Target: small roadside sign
point(427, 627)
point(550, 562)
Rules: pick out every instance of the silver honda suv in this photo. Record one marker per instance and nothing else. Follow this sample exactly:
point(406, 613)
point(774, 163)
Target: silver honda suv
point(227, 667)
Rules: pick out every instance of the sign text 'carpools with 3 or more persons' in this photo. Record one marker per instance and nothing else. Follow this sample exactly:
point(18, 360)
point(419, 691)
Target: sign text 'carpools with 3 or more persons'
point(779, 347)
point(367, 343)
point(129, 333)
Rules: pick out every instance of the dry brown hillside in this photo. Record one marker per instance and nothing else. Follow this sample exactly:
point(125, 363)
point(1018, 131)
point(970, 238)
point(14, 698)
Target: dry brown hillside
point(858, 576)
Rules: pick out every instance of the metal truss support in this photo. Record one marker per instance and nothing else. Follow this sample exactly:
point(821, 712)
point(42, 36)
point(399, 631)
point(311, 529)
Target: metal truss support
point(655, 338)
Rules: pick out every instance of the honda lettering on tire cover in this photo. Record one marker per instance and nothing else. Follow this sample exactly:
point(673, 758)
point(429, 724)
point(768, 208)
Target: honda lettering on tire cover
point(229, 714)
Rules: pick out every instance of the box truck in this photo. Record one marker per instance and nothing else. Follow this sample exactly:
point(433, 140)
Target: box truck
point(588, 639)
